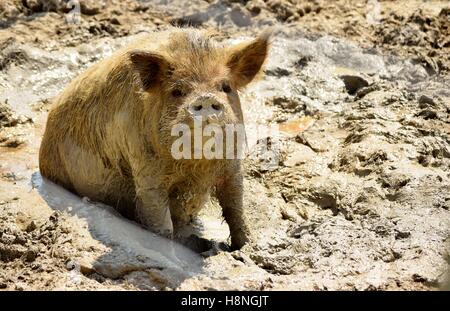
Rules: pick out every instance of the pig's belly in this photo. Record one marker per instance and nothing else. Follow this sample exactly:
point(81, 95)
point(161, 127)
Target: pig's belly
point(90, 178)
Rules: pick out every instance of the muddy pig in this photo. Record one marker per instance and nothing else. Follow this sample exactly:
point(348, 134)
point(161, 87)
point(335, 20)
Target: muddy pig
point(108, 135)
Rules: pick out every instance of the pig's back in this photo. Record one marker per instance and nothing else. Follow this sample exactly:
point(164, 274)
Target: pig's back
point(81, 113)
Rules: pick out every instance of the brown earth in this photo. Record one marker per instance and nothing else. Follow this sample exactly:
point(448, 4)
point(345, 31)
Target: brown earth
point(359, 195)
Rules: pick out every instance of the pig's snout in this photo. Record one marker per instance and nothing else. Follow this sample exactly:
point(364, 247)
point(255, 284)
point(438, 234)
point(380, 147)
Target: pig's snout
point(207, 108)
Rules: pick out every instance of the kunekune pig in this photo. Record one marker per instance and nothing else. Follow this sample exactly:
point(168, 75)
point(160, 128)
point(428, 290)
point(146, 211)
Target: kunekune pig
point(108, 135)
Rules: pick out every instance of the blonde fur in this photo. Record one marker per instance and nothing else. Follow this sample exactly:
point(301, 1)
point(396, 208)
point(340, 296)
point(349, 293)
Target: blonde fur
point(108, 134)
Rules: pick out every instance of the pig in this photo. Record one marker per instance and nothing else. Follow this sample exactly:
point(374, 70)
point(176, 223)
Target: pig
point(108, 134)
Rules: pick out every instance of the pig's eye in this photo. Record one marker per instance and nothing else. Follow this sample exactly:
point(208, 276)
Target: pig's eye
point(177, 93)
point(226, 87)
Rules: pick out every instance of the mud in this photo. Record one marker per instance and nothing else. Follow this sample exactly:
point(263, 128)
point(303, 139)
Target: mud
point(358, 199)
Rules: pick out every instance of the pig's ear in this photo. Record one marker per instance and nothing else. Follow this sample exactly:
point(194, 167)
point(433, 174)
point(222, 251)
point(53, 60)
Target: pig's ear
point(149, 67)
point(245, 60)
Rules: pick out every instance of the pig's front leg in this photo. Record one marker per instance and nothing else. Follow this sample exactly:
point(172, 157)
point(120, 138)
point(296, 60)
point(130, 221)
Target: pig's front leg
point(230, 196)
point(152, 210)
point(152, 203)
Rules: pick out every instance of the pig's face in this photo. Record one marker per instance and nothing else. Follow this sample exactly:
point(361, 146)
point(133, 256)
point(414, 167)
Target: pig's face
point(208, 99)
point(197, 80)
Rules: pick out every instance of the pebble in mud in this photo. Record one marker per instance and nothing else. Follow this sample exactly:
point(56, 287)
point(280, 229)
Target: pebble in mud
point(353, 83)
point(30, 255)
point(425, 101)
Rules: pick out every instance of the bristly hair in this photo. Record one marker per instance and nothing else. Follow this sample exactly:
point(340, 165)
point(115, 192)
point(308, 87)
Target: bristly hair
point(194, 52)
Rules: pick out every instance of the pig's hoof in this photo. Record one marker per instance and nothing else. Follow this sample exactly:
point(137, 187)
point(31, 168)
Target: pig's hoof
point(203, 246)
point(166, 233)
point(238, 242)
point(216, 247)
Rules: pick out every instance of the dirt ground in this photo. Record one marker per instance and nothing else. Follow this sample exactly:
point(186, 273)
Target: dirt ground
point(358, 198)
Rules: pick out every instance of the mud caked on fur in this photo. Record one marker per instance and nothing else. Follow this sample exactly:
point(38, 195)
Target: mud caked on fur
point(108, 136)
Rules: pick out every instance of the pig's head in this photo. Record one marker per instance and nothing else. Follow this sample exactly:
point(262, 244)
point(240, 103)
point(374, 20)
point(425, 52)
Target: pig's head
point(192, 78)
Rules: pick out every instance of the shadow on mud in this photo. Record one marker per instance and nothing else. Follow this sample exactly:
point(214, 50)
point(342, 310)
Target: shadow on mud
point(132, 248)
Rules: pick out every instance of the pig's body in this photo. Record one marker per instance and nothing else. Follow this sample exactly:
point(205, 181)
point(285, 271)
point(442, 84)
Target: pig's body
point(108, 135)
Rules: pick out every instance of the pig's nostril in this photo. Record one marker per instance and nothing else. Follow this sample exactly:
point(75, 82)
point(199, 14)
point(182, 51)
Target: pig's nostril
point(216, 107)
point(197, 107)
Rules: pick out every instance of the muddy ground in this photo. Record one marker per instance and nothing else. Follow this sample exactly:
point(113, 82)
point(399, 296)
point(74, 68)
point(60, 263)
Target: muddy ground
point(356, 196)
